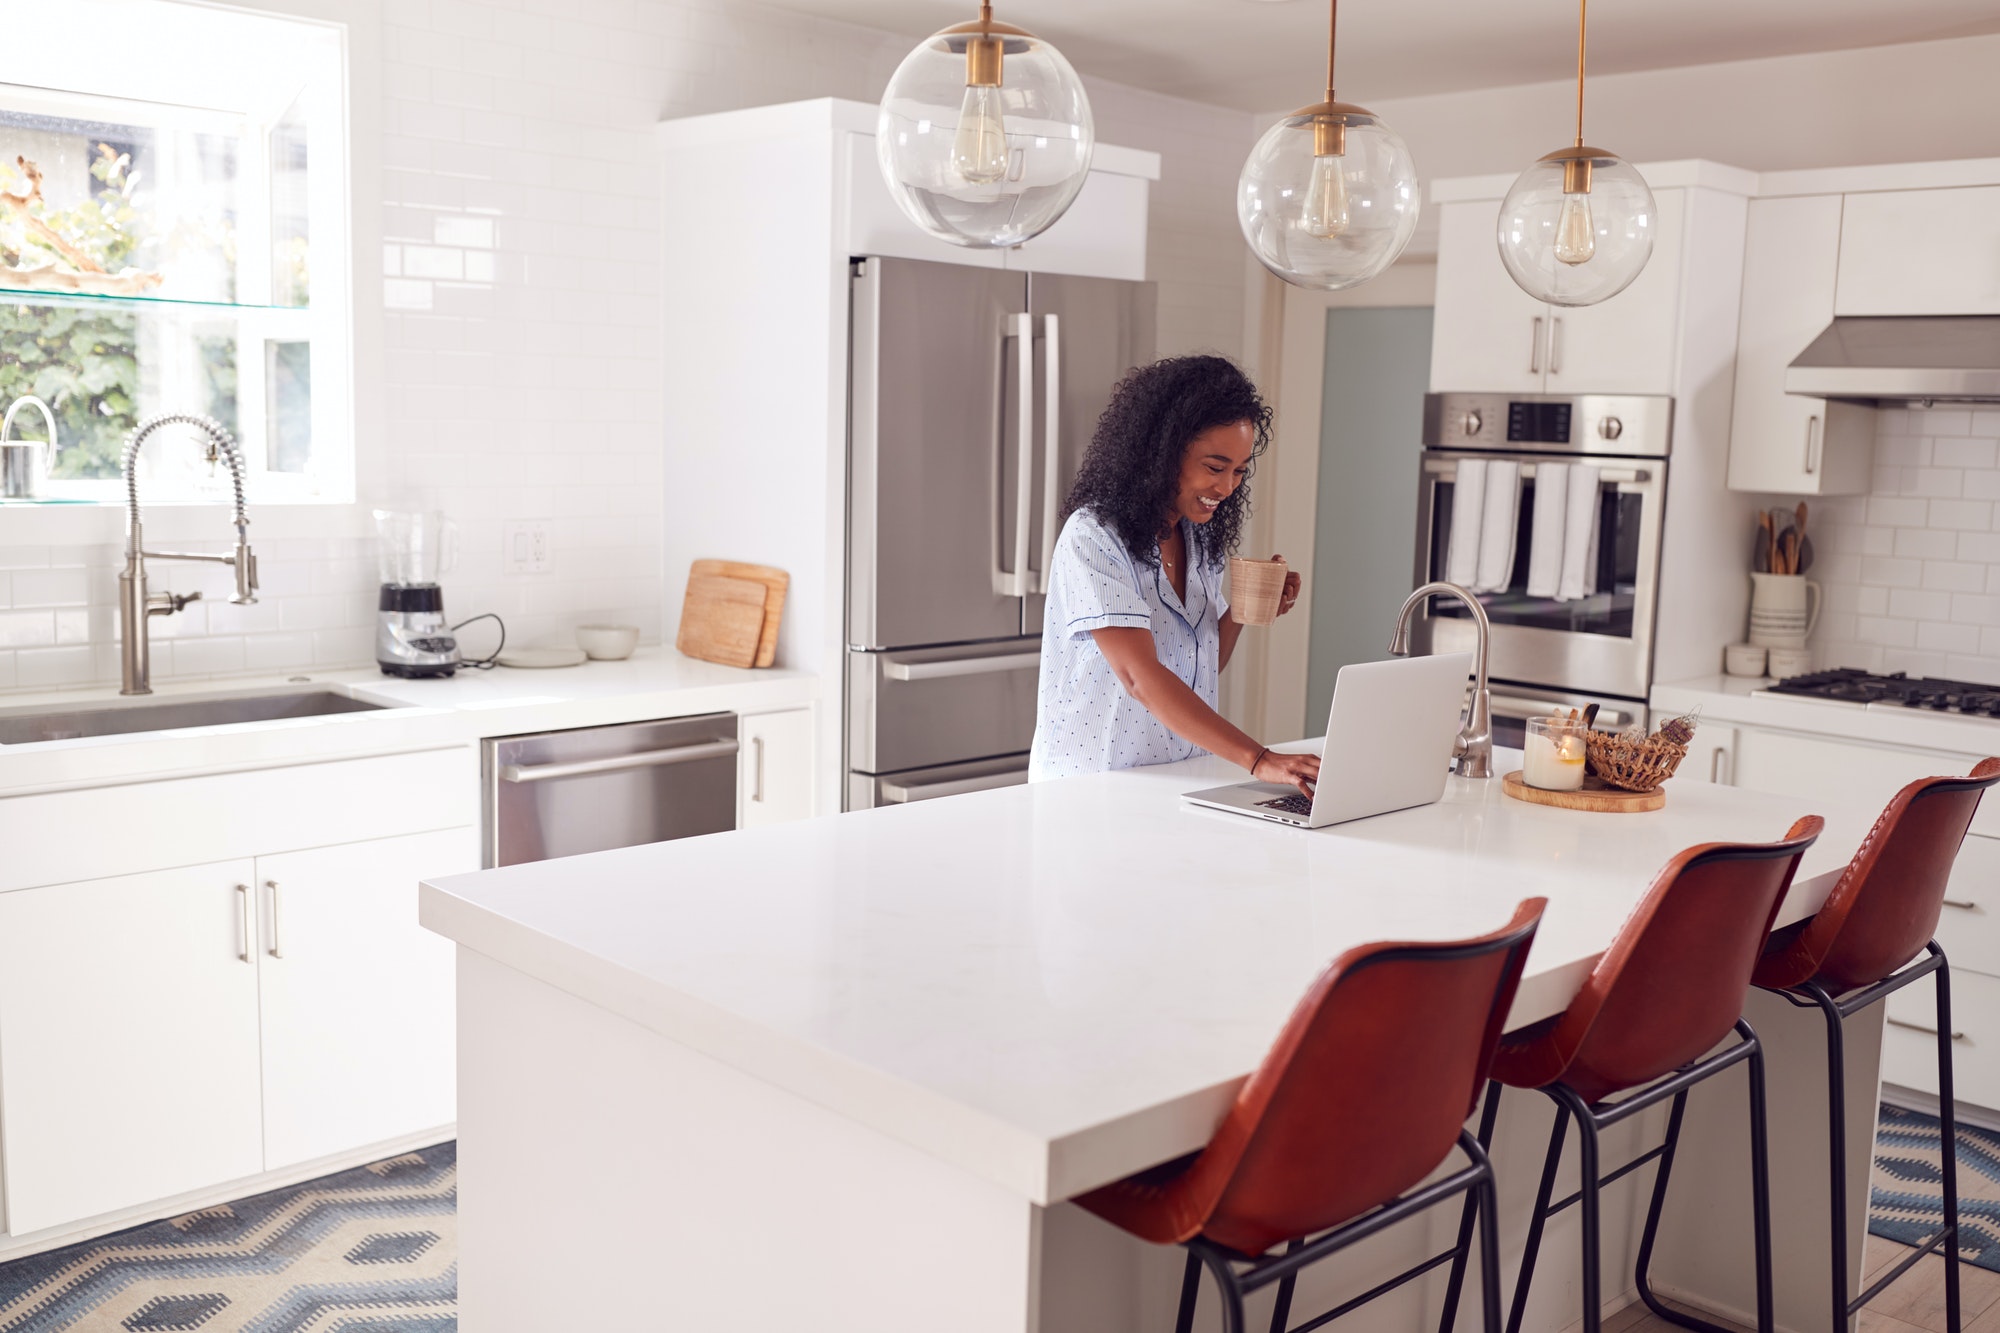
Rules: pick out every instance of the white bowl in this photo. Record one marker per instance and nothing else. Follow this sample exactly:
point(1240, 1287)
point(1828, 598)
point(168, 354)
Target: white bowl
point(607, 643)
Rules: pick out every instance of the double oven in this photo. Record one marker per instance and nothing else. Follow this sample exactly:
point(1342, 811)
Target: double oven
point(1545, 652)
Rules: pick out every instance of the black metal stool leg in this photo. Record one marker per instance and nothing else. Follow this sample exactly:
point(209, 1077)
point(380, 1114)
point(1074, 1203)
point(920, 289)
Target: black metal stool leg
point(1456, 1283)
point(1489, 1254)
point(1760, 1185)
point(1593, 1257)
point(1947, 1144)
point(1836, 1141)
point(1661, 1173)
point(1536, 1221)
point(1190, 1288)
point(1281, 1312)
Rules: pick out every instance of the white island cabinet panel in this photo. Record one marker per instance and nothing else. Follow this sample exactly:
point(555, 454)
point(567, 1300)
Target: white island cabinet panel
point(357, 997)
point(774, 768)
point(128, 1041)
point(1921, 252)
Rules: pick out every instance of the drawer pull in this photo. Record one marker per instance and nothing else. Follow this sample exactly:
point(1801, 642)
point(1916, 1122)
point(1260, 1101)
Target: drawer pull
point(1924, 1028)
point(1962, 904)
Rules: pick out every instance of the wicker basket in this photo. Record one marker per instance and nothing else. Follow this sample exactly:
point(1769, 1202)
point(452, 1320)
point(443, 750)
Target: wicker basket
point(1634, 763)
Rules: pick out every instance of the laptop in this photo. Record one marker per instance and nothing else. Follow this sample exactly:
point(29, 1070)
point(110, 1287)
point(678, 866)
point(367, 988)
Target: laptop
point(1389, 740)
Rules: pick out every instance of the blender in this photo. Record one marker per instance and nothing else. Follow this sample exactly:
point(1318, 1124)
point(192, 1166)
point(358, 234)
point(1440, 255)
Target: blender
point(411, 636)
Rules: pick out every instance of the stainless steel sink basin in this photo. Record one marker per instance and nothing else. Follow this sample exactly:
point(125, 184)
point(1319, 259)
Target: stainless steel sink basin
point(21, 727)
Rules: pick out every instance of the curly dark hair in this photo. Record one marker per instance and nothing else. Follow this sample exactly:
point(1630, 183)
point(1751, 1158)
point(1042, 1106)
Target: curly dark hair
point(1132, 469)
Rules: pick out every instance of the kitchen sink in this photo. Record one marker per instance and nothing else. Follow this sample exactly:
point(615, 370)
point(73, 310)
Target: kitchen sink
point(23, 726)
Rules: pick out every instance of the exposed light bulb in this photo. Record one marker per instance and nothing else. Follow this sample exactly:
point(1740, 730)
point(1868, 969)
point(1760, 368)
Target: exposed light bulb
point(979, 150)
point(1325, 212)
point(1576, 236)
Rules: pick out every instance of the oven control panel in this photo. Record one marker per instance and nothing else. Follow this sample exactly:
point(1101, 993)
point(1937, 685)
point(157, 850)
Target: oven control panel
point(1626, 425)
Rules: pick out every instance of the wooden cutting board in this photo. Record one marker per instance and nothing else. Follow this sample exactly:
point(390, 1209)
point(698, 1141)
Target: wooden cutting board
point(1596, 795)
point(722, 619)
point(775, 581)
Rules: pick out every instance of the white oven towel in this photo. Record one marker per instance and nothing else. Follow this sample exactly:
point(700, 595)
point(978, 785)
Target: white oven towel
point(1497, 524)
point(1579, 566)
point(1545, 537)
point(1468, 503)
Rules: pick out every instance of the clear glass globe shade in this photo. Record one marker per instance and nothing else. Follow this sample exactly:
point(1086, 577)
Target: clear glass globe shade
point(981, 165)
point(1580, 248)
point(1328, 221)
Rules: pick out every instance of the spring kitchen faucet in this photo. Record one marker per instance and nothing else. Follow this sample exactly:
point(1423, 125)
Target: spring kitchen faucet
point(135, 606)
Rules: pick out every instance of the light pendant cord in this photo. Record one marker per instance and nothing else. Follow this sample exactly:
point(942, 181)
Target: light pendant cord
point(1332, 30)
point(1582, 20)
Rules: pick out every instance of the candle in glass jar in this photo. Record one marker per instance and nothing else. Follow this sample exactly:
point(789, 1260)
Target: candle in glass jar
point(1552, 755)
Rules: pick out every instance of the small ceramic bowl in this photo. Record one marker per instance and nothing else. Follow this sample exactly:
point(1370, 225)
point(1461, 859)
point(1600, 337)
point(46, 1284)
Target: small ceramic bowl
point(1743, 659)
point(607, 643)
point(1789, 662)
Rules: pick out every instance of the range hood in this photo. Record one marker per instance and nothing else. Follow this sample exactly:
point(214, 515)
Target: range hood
point(1903, 358)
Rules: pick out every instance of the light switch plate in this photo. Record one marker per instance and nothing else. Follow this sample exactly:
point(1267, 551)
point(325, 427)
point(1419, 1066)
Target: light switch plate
point(524, 546)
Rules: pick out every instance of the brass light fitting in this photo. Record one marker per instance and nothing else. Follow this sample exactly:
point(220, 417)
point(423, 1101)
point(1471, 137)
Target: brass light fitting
point(985, 46)
point(1576, 160)
point(1329, 118)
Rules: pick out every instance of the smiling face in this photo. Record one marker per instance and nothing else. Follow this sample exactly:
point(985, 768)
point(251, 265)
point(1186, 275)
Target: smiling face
point(1217, 461)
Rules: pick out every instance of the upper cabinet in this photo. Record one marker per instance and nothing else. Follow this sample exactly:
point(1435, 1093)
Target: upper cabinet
point(1492, 337)
point(1783, 442)
point(1920, 252)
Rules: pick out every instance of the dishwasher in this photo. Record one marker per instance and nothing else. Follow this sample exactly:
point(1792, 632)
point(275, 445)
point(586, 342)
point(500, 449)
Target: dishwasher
point(564, 793)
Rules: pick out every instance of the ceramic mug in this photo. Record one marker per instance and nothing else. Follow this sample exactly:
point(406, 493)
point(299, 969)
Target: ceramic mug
point(1783, 609)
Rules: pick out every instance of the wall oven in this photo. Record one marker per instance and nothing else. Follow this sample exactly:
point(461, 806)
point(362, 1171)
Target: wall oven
point(1596, 647)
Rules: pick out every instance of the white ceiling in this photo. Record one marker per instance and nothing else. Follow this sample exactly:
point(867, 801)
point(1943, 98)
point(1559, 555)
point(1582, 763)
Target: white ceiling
point(1270, 55)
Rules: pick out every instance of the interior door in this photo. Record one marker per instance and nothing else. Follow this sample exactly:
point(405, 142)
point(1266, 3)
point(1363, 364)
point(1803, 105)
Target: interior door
point(935, 550)
point(357, 998)
point(128, 1041)
point(1087, 333)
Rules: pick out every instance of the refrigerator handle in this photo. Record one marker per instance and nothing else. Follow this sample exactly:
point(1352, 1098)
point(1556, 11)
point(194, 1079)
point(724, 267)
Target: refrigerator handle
point(1020, 328)
point(1051, 447)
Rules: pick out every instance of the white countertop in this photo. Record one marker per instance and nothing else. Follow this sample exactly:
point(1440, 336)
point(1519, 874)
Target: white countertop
point(1744, 700)
point(1058, 984)
point(423, 714)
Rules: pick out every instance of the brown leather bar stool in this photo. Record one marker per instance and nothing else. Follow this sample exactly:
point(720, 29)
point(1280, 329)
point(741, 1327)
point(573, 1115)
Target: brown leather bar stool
point(1669, 988)
point(1362, 1096)
point(1856, 951)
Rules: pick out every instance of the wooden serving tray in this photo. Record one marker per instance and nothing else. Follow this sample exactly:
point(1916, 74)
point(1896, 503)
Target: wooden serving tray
point(1596, 795)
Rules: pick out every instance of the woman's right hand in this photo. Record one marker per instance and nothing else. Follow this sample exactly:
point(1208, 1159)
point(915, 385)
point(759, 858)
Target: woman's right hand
point(1291, 770)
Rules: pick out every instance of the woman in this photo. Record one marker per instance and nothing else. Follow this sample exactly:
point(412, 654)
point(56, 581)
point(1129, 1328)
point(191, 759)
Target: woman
point(1136, 633)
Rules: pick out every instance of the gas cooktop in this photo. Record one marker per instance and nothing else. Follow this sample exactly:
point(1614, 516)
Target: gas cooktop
point(1861, 687)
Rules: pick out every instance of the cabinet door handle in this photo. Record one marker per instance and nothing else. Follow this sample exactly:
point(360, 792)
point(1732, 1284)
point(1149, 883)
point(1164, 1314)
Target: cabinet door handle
point(1535, 349)
point(1555, 345)
point(243, 923)
point(1715, 765)
point(277, 950)
point(1925, 1028)
point(1962, 904)
point(1812, 444)
point(757, 769)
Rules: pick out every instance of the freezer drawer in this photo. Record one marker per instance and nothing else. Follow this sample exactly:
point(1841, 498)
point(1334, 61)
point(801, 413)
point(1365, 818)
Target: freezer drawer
point(865, 791)
point(564, 793)
point(916, 708)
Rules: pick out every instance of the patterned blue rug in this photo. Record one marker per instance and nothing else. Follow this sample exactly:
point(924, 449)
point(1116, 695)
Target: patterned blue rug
point(372, 1250)
point(1908, 1203)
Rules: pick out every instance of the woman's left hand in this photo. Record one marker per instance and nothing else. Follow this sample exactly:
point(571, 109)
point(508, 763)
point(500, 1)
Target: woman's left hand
point(1290, 597)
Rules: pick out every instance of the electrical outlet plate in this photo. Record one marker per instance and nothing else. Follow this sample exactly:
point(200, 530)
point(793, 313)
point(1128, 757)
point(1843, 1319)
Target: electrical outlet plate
point(524, 546)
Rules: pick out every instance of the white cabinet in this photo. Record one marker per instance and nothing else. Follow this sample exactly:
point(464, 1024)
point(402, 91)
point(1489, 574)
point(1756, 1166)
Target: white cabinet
point(1490, 336)
point(356, 997)
point(1909, 1041)
point(1711, 757)
point(128, 1041)
point(1781, 442)
point(1920, 252)
point(1845, 772)
point(1487, 336)
point(774, 768)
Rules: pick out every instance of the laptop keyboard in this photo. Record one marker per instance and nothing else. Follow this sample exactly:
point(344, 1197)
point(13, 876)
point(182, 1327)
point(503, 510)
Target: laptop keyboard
point(1291, 805)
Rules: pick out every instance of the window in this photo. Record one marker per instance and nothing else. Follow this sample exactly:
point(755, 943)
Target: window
point(173, 237)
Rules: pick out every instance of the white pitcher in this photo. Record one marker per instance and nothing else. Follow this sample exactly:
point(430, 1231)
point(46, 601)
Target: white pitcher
point(1783, 609)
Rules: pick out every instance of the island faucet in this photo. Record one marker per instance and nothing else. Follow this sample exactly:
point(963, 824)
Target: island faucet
point(135, 606)
point(1473, 754)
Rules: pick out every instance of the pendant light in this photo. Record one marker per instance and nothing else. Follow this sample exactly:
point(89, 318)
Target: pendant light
point(985, 134)
point(1328, 197)
point(1577, 226)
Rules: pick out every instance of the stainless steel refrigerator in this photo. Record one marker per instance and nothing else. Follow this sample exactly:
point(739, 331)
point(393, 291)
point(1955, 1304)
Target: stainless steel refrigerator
point(972, 394)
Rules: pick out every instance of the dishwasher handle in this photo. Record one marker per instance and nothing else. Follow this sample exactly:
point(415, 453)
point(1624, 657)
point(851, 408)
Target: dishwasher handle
point(675, 754)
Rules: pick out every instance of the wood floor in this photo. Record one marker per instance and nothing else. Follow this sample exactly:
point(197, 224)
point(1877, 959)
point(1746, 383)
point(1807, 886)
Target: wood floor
point(1914, 1304)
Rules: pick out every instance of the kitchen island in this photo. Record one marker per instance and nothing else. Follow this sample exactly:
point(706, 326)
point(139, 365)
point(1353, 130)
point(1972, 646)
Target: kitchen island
point(842, 1073)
